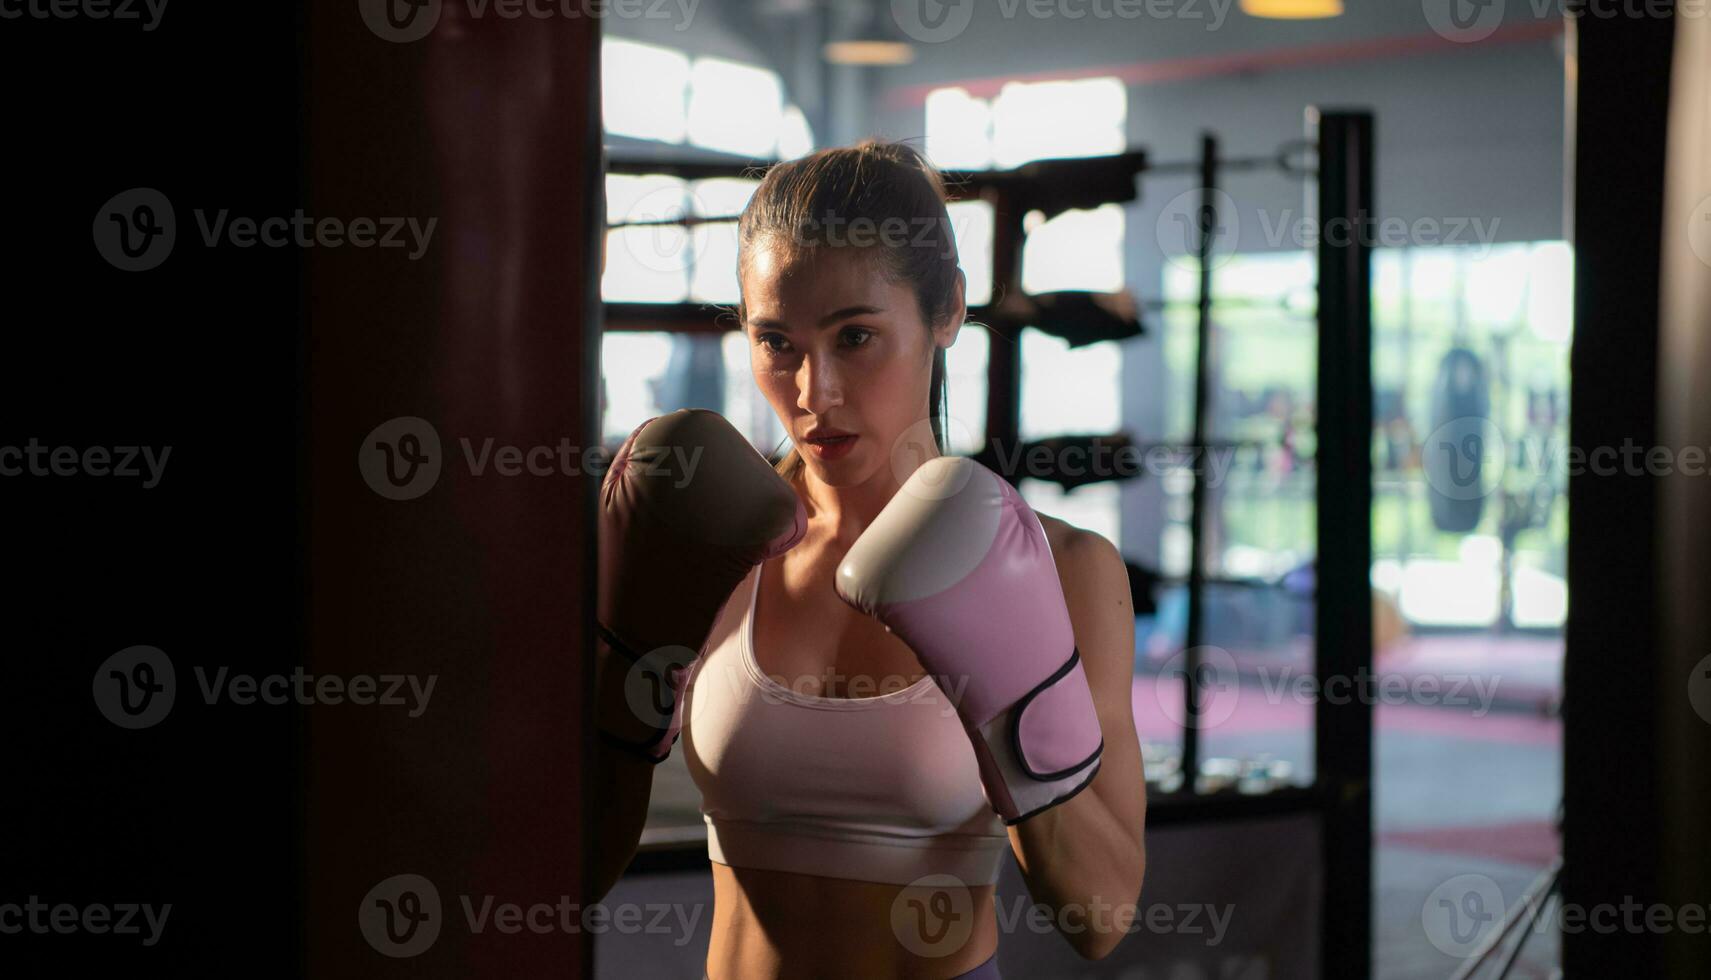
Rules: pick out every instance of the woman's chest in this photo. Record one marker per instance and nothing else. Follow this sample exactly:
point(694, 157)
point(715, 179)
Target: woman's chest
point(811, 641)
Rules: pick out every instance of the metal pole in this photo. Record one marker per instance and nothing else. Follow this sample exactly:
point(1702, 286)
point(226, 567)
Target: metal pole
point(1342, 748)
point(1191, 662)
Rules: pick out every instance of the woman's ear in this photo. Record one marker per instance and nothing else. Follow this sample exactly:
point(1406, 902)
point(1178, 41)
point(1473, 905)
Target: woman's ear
point(959, 312)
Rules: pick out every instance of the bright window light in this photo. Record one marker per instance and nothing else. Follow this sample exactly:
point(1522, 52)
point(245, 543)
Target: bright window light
point(714, 277)
point(965, 383)
point(1540, 598)
point(631, 364)
point(1069, 391)
point(646, 264)
point(959, 130)
point(971, 221)
point(1497, 287)
point(735, 108)
point(1449, 593)
point(795, 136)
point(1040, 120)
point(643, 90)
point(1075, 250)
point(1550, 297)
point(745, 407)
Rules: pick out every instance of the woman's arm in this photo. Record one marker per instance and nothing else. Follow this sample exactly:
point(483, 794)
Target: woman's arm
point(626, 784)
point(1084, 860)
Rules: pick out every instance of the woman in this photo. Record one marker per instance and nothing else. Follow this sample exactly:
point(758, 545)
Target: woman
point(849, 829)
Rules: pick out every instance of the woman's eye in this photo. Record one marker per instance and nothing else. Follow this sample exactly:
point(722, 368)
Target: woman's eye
point(771, 341)
point(860, 335)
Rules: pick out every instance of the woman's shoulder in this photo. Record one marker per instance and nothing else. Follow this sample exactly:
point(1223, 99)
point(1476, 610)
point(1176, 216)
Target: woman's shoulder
point(1080, 553)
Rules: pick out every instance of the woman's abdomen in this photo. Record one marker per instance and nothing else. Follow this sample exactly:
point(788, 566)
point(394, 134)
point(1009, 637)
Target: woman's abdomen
point(780, 924)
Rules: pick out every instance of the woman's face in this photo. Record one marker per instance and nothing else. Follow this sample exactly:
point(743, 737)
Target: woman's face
point(838, 350)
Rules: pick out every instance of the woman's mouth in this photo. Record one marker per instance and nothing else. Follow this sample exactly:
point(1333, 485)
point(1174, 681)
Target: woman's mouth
point(832, 447)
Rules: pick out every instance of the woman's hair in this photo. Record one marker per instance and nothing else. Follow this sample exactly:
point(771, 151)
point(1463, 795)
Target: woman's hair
point(878, 195)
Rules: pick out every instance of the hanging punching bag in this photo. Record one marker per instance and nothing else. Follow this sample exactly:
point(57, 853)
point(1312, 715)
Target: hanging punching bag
point(1460, 457)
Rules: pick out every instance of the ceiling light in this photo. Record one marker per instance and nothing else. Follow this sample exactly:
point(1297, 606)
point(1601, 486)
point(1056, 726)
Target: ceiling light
point(1292, 9)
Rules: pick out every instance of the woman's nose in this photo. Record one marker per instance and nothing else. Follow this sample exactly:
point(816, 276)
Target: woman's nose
point(819, 385)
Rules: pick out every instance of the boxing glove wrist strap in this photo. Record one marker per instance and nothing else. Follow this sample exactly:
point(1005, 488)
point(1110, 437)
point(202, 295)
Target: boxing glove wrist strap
point(1037, 753)
point(647, 697)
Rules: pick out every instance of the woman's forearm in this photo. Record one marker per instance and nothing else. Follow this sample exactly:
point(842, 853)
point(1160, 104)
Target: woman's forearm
point(1085, 868)
point(625, 782)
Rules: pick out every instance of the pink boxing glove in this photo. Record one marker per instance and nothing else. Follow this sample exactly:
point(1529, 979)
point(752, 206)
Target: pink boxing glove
point(958, 567)
point(687, 508)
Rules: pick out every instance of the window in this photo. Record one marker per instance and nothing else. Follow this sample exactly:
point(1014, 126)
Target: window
point(661, 94)
point(1026, 121)
point(1063, 390)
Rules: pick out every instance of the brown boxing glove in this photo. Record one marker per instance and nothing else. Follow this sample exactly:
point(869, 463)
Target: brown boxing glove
point(687, 509)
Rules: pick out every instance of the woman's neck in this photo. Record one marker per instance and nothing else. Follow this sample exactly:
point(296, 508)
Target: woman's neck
point(841, 514)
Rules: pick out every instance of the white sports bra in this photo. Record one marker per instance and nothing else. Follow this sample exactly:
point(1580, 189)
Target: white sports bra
point(882, 789)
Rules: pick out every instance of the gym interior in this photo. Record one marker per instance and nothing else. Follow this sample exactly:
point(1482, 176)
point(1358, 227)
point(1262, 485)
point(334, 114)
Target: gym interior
point(1373, 335)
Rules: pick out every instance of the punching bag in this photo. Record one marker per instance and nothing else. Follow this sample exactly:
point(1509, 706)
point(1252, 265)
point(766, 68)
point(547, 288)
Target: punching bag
point(1458, 454)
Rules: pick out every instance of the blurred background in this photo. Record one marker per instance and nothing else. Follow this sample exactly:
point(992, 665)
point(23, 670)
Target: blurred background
point(1471, 316)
